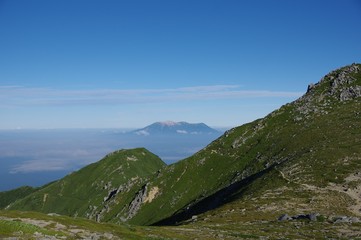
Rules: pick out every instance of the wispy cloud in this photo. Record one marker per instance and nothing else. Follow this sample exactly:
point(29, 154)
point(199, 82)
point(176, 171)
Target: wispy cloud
point(19, 96)
point(56, 157)
point(39, 166)
point(54, 162)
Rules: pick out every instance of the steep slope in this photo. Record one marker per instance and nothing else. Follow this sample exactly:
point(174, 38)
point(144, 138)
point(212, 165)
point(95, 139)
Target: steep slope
point(316, 141)
point(88, 191)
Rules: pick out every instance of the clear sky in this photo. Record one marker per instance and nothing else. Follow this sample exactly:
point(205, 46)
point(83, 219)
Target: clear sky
point(96, 64)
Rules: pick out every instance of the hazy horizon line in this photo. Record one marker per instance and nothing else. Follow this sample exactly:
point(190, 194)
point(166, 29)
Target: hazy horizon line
point(103, 128)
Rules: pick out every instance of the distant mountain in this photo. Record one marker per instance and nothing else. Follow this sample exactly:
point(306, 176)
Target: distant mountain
point(170, 127)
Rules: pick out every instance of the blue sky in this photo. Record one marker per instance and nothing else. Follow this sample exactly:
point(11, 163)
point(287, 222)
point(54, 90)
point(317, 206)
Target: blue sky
point(98, 64)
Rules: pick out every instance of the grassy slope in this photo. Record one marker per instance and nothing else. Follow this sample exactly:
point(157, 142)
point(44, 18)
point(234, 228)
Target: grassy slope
point(313, 136)
point(83, 192)
point(225, 224)
point(34, 225)
point(8, 197)
point(317, 181)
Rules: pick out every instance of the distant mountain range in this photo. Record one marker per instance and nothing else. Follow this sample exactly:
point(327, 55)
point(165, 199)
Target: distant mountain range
point(170, 127)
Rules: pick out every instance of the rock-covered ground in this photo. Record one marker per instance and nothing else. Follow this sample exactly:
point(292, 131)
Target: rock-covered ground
point(227, 225)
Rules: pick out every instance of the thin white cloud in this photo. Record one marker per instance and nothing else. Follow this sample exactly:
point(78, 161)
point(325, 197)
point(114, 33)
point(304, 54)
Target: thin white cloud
point(23, 96)
point(57, 157)
point(39, 166)
point(56, 161)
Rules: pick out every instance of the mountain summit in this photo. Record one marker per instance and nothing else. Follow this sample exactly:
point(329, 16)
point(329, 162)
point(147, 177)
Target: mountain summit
point(170, 127)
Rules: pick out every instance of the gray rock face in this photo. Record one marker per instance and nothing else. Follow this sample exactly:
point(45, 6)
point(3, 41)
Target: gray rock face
point(350, 93)
point(340, 81)
point(135, 205)
point(340, 85)
point(112, 193)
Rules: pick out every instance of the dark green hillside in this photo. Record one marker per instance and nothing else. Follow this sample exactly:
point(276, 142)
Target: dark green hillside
point(316, 140)
point(8, 197)
point(323, 178)
point(88, 191)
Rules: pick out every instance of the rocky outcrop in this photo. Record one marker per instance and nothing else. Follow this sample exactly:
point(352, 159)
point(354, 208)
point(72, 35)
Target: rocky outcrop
point(317, 216)
point(111, 194)
point(97, 212)
point(350, 93)
point(346, 219)
point(341, 83)
point(338, 86)
point(136, 203)
point(311, 217)
point(310, 87)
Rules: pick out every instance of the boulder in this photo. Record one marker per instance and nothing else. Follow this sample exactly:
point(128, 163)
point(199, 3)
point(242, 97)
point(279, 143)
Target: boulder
point(284, 217)
point(311, 217)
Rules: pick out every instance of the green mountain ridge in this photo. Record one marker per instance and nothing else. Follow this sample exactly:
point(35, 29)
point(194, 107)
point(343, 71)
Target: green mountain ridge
point(8, 197)
point(296, 133)
point(303, 159)
point(88, 191)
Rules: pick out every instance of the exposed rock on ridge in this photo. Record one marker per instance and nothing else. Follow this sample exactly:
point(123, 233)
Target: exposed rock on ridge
point(338, 85)
point(136, 203)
